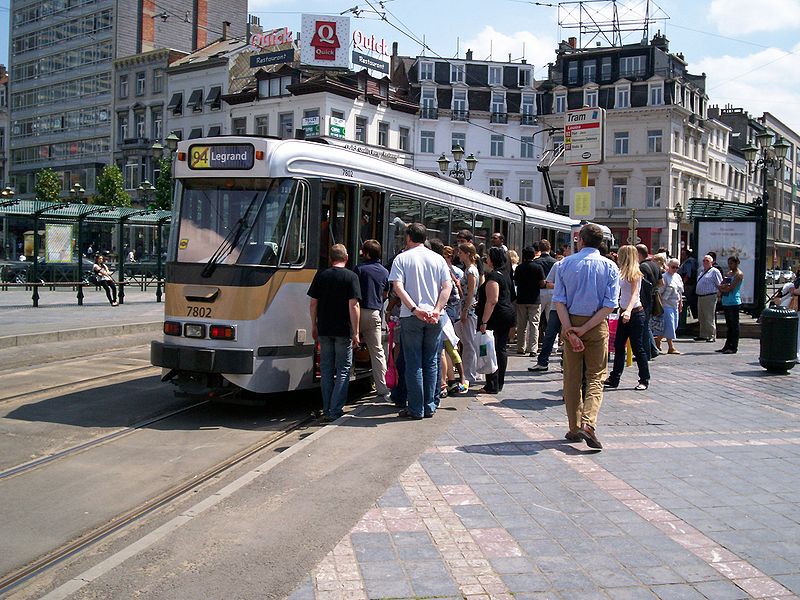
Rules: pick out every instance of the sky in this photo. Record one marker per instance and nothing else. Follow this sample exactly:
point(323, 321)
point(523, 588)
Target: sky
point(749, 50)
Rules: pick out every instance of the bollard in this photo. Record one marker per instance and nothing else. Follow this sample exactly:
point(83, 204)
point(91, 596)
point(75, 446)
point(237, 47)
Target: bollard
point(778, 339)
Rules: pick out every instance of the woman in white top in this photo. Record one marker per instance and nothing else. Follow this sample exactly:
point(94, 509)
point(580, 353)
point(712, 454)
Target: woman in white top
point(466, 326)
point(632, 320)
point(104, 279)
point(672, 300)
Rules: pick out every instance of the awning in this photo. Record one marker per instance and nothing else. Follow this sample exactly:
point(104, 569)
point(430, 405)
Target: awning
point(196, 100)
point(214, 131)
point(723, 209)
point(176, 103)
point(195, 133)
point(213, 96)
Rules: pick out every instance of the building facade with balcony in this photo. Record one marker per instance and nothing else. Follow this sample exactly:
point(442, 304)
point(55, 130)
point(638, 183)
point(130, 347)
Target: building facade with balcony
point(61, 74)
point(488, 108)
point(655, 139)
point(4, 129)
point(140, 99)
point(353, 110)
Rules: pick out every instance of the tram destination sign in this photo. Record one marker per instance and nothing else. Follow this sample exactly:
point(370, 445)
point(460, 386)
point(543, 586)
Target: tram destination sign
point(583, 136)
point(221, 156)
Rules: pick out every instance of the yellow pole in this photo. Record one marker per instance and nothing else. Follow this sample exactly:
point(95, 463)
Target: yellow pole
point(584, 175)
point(628, 354)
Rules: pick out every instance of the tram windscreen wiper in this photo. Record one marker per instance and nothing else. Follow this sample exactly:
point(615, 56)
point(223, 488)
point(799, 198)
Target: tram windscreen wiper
point(231, 240)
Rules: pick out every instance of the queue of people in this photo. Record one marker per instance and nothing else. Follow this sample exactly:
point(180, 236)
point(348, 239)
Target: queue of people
point(443, 300)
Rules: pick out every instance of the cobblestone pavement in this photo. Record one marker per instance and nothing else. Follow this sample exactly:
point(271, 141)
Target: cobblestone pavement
point(694, 496)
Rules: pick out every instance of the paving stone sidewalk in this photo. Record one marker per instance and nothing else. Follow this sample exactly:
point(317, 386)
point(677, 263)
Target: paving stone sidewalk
point(694, 496)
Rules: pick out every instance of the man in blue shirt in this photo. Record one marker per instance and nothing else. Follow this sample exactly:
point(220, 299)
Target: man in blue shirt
point(374, 280)
point(586, 292)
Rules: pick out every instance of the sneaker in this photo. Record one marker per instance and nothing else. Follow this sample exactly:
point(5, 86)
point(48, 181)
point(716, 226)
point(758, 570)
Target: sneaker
point(538, 367)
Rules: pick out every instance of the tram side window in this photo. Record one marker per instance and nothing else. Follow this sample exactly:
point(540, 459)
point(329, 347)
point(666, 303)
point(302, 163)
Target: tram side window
point(461, 220)
point(483, 230)
point(371, 225)
point(335, 209)
point(294, 239)
point(513, 241)
point(437, 221)
point(532, 234)
point(402, 212)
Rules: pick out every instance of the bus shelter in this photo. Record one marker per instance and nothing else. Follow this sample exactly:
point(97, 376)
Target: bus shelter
point(57, 240)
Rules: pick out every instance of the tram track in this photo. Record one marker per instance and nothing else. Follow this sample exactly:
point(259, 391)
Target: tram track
point(12, 580)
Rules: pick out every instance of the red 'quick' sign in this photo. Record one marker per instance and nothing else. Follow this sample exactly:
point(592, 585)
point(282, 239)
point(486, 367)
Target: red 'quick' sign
point(325, 40)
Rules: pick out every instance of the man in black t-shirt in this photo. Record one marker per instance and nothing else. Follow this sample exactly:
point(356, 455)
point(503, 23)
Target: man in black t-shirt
point(529, 277)
point(652, 275)
point(335, 293)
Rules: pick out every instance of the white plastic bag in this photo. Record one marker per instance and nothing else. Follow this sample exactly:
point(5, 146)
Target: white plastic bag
point(449, 332)
point(487, 356)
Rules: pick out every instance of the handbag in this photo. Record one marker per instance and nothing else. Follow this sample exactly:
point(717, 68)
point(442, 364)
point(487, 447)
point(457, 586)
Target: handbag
point(658, 305)
point(92, 279)
point(487, 356)
point(391, 369)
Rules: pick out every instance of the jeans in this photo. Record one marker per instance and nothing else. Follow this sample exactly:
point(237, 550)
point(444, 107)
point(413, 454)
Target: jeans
point(422, 343)
point(550, 334)
point(732, 326)
point(110, 288)
point(335, 360)
point(631, 330)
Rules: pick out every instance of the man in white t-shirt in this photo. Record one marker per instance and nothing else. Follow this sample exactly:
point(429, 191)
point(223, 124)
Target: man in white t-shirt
point(422, 283)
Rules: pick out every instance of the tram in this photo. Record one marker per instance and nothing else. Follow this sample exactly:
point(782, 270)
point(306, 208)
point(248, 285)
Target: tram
point(254, 219)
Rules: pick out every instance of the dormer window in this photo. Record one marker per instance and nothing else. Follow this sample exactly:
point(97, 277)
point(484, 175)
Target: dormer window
point(495, 75)
point(622, 96)
point(632, 66)
point(655, 93)
point(525, 77)
point(560, 103)
point(589, 71)
point(426, 71)
point(572, 72)
point(590, 97)
point(456, 73)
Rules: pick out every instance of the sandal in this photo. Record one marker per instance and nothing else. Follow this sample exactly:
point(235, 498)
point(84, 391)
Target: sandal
point(674, 352)
point(443, 392)
point(641, 387)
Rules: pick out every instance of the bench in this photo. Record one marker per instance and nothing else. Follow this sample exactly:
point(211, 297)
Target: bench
point(78, 285)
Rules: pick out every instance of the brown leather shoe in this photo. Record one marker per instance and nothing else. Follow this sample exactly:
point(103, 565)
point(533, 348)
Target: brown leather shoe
point(587, 433)
point(573, 437)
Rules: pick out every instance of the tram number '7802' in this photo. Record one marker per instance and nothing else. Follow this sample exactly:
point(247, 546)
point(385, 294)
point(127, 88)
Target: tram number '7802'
point(198, 311)
point(347, 172)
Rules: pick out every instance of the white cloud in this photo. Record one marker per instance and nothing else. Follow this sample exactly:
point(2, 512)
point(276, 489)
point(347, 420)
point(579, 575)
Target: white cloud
point(538, 51)
point(760, 82)
point(738, 17)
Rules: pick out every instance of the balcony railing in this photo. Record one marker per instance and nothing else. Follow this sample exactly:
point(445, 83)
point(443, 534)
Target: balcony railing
point(528, 120)
point(428, 113)
point(460, 115)
point(498, 117)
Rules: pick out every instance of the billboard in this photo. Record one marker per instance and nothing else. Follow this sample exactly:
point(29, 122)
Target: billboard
point(731, 238)
point(57, 243)
point(325, 41)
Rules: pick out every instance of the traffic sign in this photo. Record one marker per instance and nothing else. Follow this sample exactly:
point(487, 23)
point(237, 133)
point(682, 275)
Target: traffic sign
point(583, 136)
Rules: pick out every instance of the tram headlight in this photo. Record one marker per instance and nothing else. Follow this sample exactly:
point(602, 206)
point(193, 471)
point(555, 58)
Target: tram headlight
point(172, 328)
point(194, 330)
point(221, 332)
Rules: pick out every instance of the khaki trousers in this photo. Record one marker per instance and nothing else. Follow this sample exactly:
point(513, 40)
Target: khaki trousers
point(592, 364)
point(371, 334)
point(528, 327)
point(707, 315)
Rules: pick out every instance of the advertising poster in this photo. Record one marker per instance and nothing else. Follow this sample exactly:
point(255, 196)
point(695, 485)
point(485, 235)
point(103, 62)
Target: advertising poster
point(58, 243)
point(731, 238)
point(325, 41)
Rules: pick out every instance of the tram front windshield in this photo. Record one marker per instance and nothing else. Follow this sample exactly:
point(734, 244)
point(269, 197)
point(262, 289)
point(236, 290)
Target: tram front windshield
point(243, 221)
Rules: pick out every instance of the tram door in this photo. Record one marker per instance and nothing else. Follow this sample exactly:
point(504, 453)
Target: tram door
point(337, 224)
point(370, 226)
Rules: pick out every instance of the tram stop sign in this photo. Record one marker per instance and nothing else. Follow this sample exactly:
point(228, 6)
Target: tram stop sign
point(582, 203)
point(583, 136)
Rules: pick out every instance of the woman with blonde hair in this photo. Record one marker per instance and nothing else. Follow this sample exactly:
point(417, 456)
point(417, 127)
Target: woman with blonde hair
point(632, 320)
point(468, 323)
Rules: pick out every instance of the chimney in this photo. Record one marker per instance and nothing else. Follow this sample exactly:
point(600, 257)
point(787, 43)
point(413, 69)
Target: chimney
point(394, 48)
point(469, 54)
point(573, 41)
point(225, 26)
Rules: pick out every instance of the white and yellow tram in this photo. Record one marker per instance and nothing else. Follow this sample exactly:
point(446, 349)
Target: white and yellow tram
point(253, 221)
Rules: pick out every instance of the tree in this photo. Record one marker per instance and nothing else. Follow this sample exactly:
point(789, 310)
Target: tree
point(163, 196)
point(111, 188)
point(48, 185)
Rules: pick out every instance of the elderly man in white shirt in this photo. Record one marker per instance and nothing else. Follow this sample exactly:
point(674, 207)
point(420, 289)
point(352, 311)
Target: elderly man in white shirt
point(708, 280)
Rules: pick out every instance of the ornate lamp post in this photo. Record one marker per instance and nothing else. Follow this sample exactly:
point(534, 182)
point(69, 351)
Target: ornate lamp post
point(145, 189)
point(771, 158)
point(678, 211)
point(76, 192)
point(6, 194)
point(457, 172)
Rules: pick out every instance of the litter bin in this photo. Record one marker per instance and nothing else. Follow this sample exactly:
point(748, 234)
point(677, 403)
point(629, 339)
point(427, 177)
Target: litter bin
point(778, 339)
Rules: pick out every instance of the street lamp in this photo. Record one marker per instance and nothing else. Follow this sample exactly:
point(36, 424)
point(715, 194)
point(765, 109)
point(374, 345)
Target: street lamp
point(145, 189)
point(172, 142)
point(457, 172)
point(7, 193)
point(678, 211)
point(77, 192)
point(772, 157)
